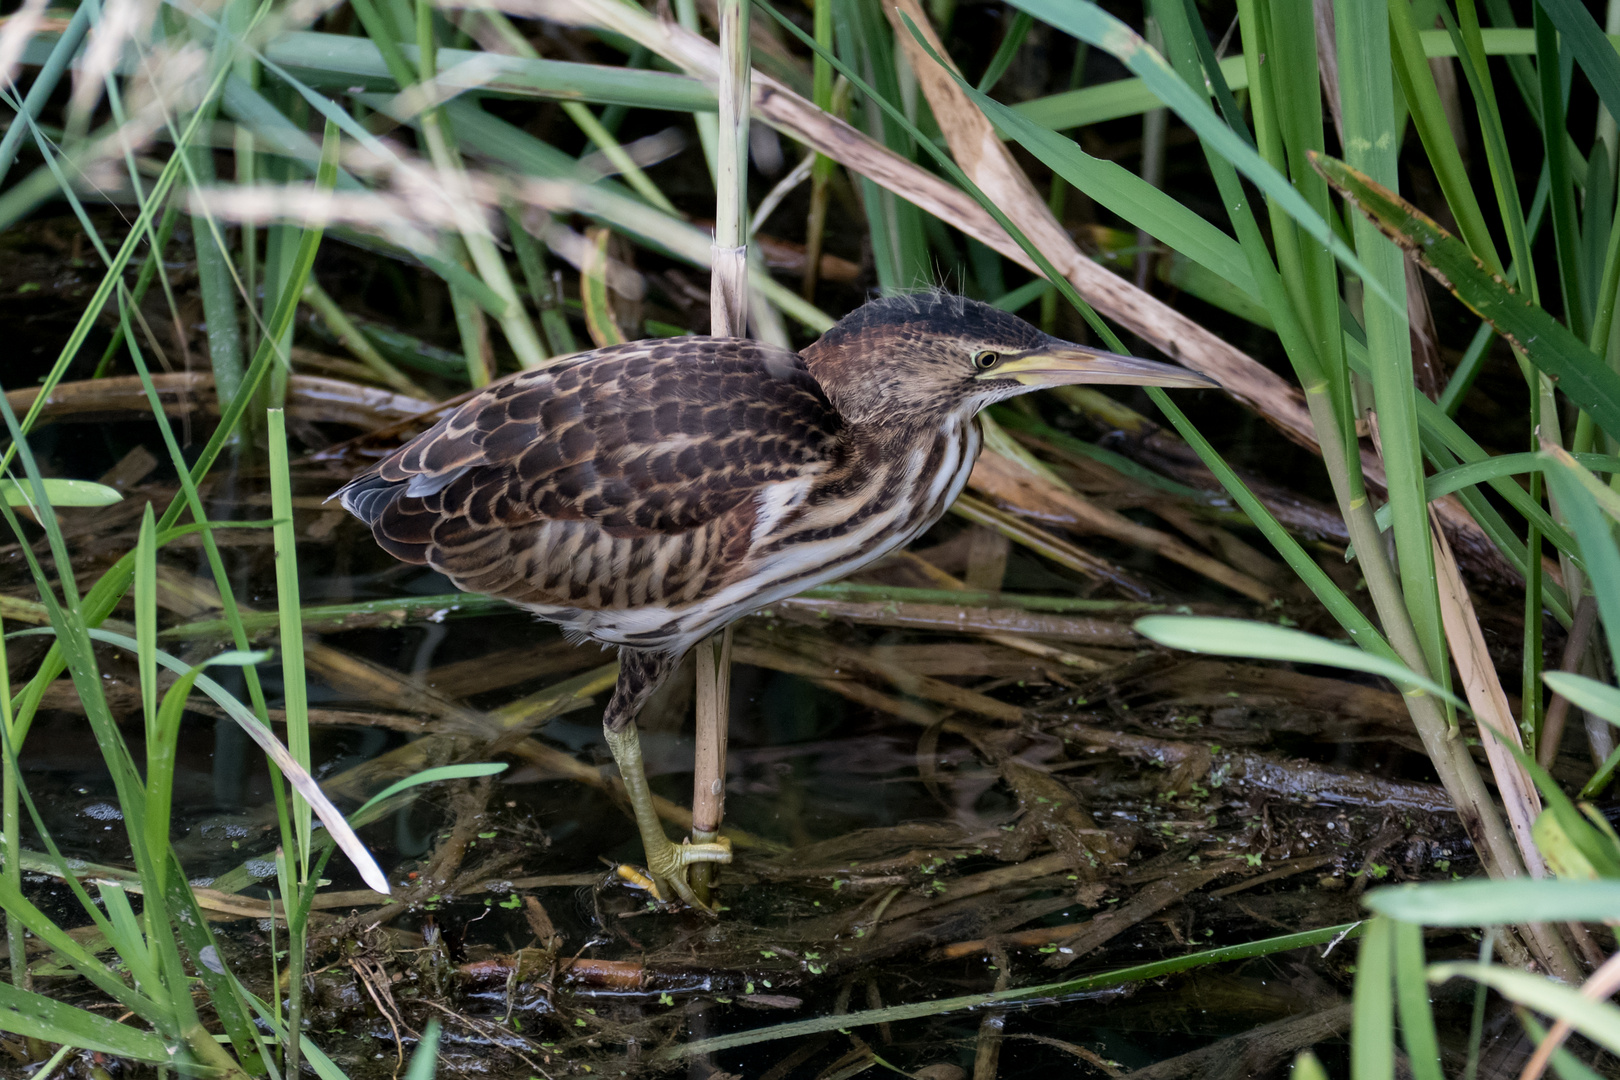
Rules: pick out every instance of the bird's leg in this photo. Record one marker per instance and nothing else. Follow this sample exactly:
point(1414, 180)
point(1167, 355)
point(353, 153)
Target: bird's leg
point(640, 673)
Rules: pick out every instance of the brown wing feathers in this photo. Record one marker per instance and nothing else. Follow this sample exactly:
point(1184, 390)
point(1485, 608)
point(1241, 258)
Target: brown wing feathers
point(623, 478)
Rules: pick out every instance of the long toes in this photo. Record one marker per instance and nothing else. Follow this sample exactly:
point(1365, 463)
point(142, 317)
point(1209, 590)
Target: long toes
point(677, 883)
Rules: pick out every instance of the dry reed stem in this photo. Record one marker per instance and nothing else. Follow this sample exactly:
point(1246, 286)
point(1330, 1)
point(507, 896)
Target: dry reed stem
point(310, 397)
point(728, 317)
point(1575, 655)
point(1489, 702)
point(1149, 901)
point(1007, 481)
point(14, 36)
point(1044, 543)
point(901, 677)
point(951, 619)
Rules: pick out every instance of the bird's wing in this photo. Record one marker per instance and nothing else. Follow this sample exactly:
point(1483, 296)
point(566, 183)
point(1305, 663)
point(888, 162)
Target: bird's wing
point(631, 476)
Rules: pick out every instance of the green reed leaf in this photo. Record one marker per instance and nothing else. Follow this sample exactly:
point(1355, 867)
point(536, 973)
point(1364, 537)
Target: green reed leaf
point(469, 771)
point(61, 493)
point(1412, 998)
point(1599, 699)
point(1546, 342)
point(1489, 903)
point(36, 1016)
point(1597, 1020)
point(1240, 637)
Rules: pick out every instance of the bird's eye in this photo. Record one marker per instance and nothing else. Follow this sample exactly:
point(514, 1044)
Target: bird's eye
point(984, 360)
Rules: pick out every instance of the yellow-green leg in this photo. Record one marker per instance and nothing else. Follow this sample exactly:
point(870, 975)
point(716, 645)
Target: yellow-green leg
point(666, 862)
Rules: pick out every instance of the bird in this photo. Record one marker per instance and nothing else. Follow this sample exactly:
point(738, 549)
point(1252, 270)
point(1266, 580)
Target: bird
point(645, 495)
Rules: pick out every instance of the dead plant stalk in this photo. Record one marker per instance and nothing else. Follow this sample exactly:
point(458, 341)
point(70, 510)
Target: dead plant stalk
point(728, 317)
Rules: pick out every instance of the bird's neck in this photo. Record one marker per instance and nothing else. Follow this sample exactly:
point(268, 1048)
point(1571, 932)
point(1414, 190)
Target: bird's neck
point(869, 392)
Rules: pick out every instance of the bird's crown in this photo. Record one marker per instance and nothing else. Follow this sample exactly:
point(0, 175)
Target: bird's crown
point(931, 316)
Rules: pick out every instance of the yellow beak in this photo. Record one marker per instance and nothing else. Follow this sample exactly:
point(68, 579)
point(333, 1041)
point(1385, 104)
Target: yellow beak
point(1064, 364)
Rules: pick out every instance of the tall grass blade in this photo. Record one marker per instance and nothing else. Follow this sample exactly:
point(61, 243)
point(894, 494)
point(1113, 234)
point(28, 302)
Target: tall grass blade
point(1126, 194)
point(1112, 100)
point(217, 285)
point(62, 52)
point(1581, 35)
point(1593, 530)
point(1573, 286)
point(1010, 44)
point(1366, 97)
point(1434, 128)
point(1412, 997)
point(425, 1061)
point(437, 774)
point(295, 688)
point(1372, 1036)
point(1326, 591)
point(163, 744)
point(1307, 1067)
point(1597, 698)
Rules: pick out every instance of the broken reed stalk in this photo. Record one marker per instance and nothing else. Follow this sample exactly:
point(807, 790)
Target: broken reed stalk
point(728, 317)
point(728, 289)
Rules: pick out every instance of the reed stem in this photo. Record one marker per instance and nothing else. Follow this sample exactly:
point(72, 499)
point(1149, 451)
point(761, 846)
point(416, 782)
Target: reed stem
point(728, 317)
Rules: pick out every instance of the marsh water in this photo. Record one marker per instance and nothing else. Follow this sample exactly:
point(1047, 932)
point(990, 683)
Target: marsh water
point(919, 812)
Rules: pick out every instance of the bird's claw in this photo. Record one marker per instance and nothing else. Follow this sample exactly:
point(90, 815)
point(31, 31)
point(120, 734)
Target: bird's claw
point(667, 864)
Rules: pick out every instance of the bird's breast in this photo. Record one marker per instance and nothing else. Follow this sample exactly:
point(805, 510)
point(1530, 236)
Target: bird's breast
point(883, 495)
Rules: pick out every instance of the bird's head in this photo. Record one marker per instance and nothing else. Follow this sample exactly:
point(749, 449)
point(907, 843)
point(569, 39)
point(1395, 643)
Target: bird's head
point(923, 356)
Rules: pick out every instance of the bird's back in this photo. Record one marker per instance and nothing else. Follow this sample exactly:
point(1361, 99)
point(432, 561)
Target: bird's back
point(611, 490)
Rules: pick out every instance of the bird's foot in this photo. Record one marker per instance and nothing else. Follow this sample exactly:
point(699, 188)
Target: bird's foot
point(667, 864)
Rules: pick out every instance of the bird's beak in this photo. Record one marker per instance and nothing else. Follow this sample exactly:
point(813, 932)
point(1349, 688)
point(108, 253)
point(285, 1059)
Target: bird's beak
point(1064, 364)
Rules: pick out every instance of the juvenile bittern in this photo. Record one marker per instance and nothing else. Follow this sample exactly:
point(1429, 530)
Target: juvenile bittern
point(645, 495)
